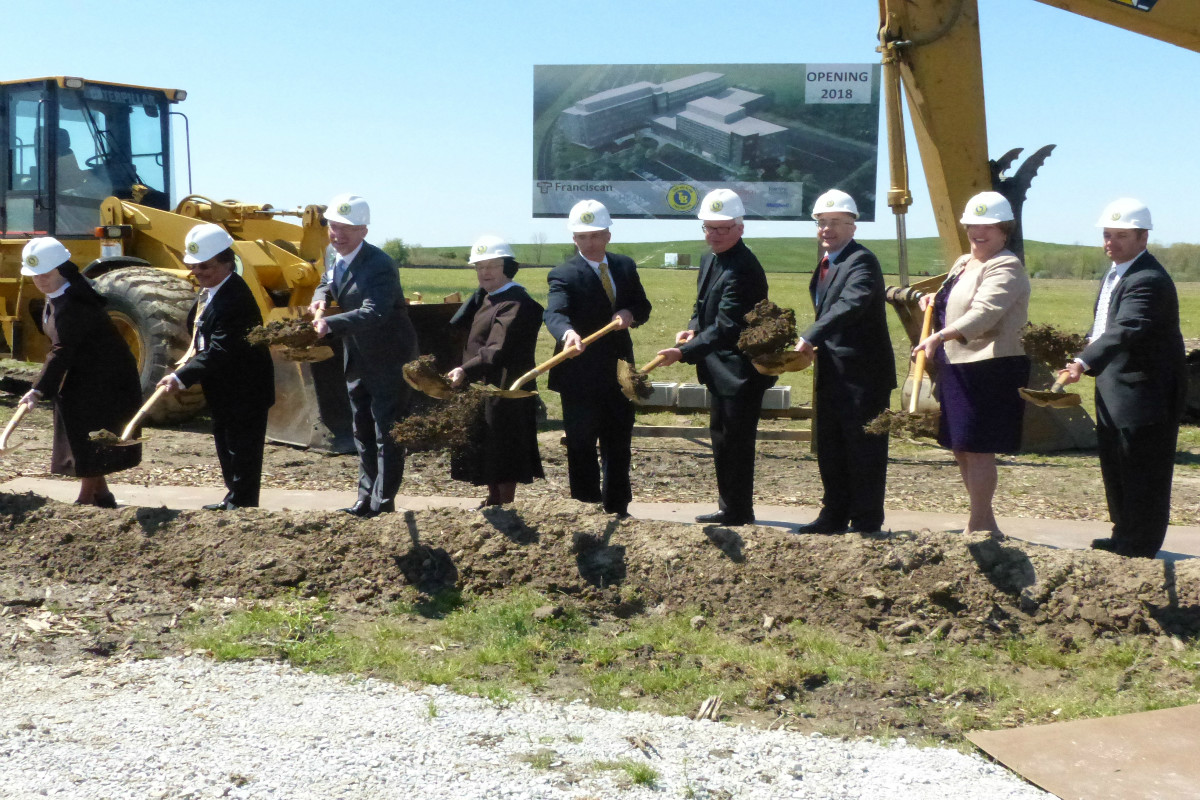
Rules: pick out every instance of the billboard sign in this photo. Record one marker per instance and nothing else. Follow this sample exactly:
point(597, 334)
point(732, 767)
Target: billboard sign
point(650, 140)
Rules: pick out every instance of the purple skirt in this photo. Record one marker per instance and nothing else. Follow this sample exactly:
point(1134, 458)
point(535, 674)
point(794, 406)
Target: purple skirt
point(981, 409)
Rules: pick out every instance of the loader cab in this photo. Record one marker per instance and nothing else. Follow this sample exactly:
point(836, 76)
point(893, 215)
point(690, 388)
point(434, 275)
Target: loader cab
point(70, 143)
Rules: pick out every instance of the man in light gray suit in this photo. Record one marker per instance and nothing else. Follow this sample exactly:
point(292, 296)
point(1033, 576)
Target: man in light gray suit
point(377, 337)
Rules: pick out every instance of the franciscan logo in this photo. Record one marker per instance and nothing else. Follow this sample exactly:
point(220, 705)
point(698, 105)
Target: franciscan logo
point(682, 197)
point(587, 218)
point(481, 248)
point(1116, 216)
point(32, 261)
point(193, 248)
point(980, 210)
point(829, 203)
point(716, 205)
point(344, 208)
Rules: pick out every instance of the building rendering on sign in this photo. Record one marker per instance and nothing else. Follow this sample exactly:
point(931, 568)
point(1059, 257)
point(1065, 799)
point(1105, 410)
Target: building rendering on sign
point(697, 111)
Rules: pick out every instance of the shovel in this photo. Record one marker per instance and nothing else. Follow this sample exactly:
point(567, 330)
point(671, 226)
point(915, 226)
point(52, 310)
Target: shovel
point(439, 388)
point(563, 356)
point(634, 384)
point(919, 369)
point(108, 439)
point(779, 363)
point(1054, 397)
point(8, 429)
point(314, 352)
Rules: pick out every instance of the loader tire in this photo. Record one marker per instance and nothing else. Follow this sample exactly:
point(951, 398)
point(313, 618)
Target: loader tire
point(150, 309)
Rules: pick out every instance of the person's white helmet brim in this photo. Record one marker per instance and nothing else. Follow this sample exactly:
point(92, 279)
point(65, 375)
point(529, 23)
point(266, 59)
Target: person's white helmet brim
point(43, 254)
point(987, 208)
point(348, 209)
point(721, 204)
point(834, 201)
point(489, 247)
point(587, 216)
point(205, 241)
point(1126, 213)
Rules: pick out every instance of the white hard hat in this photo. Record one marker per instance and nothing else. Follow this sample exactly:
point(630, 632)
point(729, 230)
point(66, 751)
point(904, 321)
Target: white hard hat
point(348, 209)
point(588, 215)
point(489, 247)
point(1126, 213)
point(42, 255)
point(721, 204)
point(205, 241)
point(987, 208)
point(834, 201)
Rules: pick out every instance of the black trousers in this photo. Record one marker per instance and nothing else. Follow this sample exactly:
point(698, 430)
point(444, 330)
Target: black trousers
point(380, 459)
point(853, 464)
point(1137, 465)
point(733, 425)
point(605, 418)
point(240, 440)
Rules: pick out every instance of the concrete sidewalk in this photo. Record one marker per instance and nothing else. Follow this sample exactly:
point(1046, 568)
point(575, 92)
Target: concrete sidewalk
point(1182, 541)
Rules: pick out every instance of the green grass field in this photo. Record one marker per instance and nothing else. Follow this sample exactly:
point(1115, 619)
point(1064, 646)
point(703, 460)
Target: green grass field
point(1067, 304)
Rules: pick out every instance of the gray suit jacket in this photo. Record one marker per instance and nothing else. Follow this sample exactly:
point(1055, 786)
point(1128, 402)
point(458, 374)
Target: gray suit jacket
point(377, 336)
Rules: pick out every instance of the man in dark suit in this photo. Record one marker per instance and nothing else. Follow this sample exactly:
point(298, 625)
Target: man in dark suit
point(588, 292)
point(237, 377)
point(378, 339)
point(1136, 354)
point(855, 372)
point(730, 283)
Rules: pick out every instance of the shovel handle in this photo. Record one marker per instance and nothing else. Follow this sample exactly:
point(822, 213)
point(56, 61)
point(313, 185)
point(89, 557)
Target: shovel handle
point(1059, 383)
point(562, 356)
point(919, 370)
point(12, 423)
point(143, 411)
point(657, 362)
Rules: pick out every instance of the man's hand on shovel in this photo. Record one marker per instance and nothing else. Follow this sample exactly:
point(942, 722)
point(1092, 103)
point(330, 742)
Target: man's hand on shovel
point(1071, 373)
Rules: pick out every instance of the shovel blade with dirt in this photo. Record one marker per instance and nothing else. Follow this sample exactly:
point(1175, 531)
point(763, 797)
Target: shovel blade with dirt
point(109, 439)
point(1054, 397)
point(634, 382)
point(779, 363)
point(422, 375)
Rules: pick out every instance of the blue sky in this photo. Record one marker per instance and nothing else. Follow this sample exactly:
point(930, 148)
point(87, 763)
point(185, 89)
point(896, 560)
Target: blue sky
point(425, 108)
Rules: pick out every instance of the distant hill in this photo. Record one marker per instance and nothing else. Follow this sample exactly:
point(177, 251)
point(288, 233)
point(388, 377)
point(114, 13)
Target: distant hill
point(1044, 259)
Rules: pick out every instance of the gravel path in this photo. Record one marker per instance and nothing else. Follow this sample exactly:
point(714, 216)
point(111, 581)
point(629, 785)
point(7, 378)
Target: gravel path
point(190, 728)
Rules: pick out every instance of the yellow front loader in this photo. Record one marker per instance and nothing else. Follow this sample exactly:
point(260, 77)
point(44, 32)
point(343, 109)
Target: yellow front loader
point(90, 163)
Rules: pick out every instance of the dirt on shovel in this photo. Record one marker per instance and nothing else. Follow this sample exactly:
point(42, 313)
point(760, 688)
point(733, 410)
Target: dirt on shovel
point(770, 330)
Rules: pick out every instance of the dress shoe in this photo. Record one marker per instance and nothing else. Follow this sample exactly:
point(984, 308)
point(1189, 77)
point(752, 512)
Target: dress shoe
point(104, 500)
point(386, 507)
point(819, 525)
point(221, 506)
point(726, 518)
point(360, 509)
point(864, 529)
point(1106, 544)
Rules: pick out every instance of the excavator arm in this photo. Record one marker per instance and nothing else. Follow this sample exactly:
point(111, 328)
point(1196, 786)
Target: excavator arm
point(934, 45)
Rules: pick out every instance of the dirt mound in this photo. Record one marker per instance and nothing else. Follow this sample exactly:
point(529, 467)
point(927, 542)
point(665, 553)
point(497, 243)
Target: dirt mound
point(901, 586)
point(770, 329)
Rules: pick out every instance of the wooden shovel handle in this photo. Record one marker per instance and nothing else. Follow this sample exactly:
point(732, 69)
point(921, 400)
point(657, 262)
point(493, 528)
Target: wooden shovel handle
point(1060, 382)
point(12, 423)
point(657, 362)
point(919, 371)
point(562, 356)
point(143, 411)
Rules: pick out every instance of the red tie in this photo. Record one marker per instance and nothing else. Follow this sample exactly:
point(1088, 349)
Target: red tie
point(824, 269)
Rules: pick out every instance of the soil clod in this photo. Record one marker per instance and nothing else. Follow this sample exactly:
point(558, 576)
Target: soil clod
point(770, 329)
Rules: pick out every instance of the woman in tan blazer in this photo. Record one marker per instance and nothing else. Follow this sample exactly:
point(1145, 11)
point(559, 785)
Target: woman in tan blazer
point(979, 313)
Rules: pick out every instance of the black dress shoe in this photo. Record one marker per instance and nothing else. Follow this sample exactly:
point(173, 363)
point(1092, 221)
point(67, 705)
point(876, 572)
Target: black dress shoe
point(104, 500)
point(360, 509)
point(819, 525)
point(1106, 544)
point(386, 507)
point(864, 529)
point(221, 506)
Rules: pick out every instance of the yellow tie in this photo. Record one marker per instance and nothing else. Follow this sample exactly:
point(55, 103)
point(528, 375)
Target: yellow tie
point(201, 303)
point(606, 280)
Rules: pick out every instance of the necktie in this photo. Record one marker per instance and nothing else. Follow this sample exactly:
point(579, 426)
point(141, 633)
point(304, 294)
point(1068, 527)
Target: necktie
point(1110, 280)
point(339, 273)
point(606, 280)
point(824, 269)
point(201, 304)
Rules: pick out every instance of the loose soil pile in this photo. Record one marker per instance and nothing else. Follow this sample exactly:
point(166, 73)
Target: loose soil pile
point(447, 424)
point(77, 577)
point(291, 332)
point(770, 329)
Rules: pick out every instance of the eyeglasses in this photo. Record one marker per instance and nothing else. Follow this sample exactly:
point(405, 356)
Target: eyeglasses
point(833, 223)
point(715, 231)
